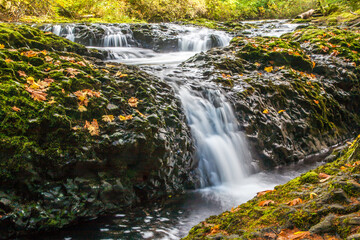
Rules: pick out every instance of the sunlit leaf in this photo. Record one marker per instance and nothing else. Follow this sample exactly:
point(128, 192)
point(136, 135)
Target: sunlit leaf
point(259, 194)
point(133, 102)
point(108, 118)
point(2, 46)
point(266, 111)
point(16, 109)
point(281, 111)
point(269, 69)
point(92, 127)
point(266, 203)
point(125, 118)
point(294, 202)
point(82, 108)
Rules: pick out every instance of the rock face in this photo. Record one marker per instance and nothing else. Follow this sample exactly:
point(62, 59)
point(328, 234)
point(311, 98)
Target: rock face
point(294, 96)
point(320, 204)
point(80, 138)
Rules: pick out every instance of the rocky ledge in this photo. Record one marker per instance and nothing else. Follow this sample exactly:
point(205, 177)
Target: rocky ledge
point(320, 204)
point(294, 96)
point(81, 138)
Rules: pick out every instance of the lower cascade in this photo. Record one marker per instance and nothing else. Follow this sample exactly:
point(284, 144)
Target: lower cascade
point(220, 146)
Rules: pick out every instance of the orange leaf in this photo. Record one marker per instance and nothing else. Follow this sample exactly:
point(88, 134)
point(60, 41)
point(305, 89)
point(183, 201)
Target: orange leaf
point(133, 102)
point(281, 111)
point(22, 74)
point(8, 60)
point(16, 109)
point(294, 202)
point(108, 118)
point(316, 101)
point(92, 127)
point(266, 111)
point(125, 118)
point(294, 234)
point(266, 203)
point(2, 46)
point(259, 194)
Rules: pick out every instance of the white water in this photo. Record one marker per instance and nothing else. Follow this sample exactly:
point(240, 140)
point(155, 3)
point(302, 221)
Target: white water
point(224, 158)
point(221, 148)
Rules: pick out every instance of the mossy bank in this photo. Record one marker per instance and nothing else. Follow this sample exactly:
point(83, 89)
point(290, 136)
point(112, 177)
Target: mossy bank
point(81, 138)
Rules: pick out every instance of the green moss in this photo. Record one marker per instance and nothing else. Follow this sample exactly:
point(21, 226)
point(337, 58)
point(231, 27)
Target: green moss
point(309, 177)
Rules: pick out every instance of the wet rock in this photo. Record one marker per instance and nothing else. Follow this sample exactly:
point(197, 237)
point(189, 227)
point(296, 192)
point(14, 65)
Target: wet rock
point(325, 226)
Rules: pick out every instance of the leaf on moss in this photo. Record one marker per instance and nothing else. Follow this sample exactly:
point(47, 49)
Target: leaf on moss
point(281, 111)
point(259, 194)
point(125, 118)
point(92, 127)
point(8, 60)
point(266, 111)
point(108, 118)
point(37, 95)
point(16, 109)
point(294, 234)
point(133, 102)
point(294, 202)
point(269, 69)
point(2, 46)
point(313, 195)
point(324, 177)
point(82, 108)
point(266, 203)
point(22, 74)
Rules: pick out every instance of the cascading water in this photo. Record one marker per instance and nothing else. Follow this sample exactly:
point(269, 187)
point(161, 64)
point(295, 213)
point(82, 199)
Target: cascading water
point(224, 159)
point(221, 148)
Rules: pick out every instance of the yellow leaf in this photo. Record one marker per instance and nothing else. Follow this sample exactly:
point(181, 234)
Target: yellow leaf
point(316, 101)
point(30, 80)
point(125, 118)
point(281, 111)
point(269, 69)
point(2, 46)
point(142, 115)
point(343, 168)
point(82, 108)
point(8, 60)
point(266, 111)
point(35, 86)
point(120, 74)
point(52, 101)
point(313, 195)
point(313, 64)
point(257, 64)
point(108, 118)
point(282, 67)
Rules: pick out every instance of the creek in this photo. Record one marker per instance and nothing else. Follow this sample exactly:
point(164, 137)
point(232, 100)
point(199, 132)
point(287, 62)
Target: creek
point(228, 176)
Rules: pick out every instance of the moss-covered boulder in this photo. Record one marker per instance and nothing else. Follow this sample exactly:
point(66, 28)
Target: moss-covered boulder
point(292, 99)
point(81, 138)
point(320, 204)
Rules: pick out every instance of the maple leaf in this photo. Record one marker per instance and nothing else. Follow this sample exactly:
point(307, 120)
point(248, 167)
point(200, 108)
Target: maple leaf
point(259, 194)
point(69, 59)
point(72, 71)
point(29, 54)
point(16, 109)
point(294, 234)
point(30, 80)
point(82, 108)
point(316, 101)
point(294, 202)
point(266, 203)
point(8, 60)
point(2, 46)
point(266, 111)
point(48, 59)
point(81, 63)
point(269, 69)
point(335, 53)
point(92, 127)
point(37, 95)
point(281, 111)
point(108, 118)
point(125, 118)
point(22, 74)
point(133, 102)
point(52, 101)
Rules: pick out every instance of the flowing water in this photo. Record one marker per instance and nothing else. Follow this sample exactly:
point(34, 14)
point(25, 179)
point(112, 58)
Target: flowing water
point(228, 176)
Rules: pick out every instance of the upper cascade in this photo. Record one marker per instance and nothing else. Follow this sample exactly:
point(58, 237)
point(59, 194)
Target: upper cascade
point(158, 37)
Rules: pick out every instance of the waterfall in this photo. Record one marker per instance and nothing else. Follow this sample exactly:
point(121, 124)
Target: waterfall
point(221, 148)
point(197, 40)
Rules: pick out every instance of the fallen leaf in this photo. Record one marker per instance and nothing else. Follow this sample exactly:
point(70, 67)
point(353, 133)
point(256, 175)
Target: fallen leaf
point(2, 46)
point(133, 102)
point(92, 127)
point(8, 60)
point(294, 234)
point(266, 111)
point(269, 69)
point(316, 101)
point(313, 195)
point(48, 59)
point(16, 109)
point(22, 74)
point(125, 118)
point(259, 194)
point(37, 95)
point(281, 111)
point(324, 177)
point(30, 80)
point(82, 108)
point(313, 64)
point(108, 118)
point(142, 115)
point(52, 101)
point(120, 74)
point(257, 64)
point(294, 202)
point(266, 203)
